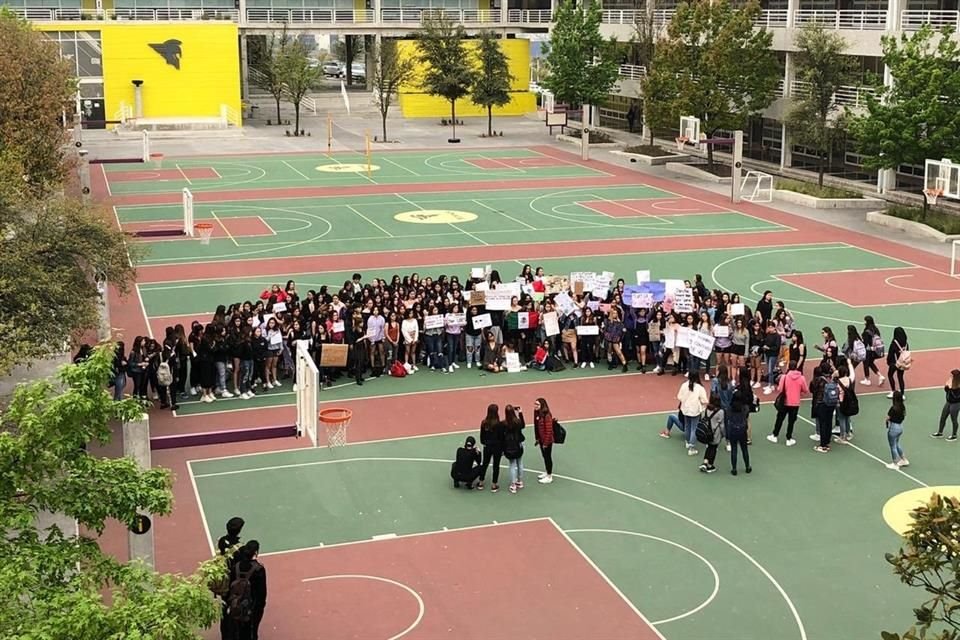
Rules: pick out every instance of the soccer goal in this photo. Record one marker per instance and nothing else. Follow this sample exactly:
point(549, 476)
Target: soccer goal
point(954, 256)
point(308, 390)
point(757, 186)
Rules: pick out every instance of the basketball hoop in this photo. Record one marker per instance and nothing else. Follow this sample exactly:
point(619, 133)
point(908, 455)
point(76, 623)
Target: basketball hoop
point(204, 230)
point(157, 160)
point(681, 142)
point(932, 195)
point(336, 422)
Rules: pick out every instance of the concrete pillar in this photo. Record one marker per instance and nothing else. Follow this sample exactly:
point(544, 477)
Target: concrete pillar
point(792, 7)
point(83, 170)
point(136, 445)
point(736, 167)
point(789, 74)
point(137, 98)
point(895, 9)
point(244, 69)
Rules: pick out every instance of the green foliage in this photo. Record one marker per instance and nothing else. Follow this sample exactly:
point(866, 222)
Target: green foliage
point(57, 584)
point(266, 56)
point(583, 66)
point(942, 221)
point(930, 559)
point(491, 85)
point(815, 120)
point(393, 70)
point(50, 243)
point(816, 190)
point(448, 72)
point(714, 65)
point(346, 50)
point(919, 116)
point(299, 75)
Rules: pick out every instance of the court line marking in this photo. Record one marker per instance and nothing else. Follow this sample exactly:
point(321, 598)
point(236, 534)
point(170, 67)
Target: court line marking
point(143, 310)
point(301, 173)
point(618, 203)
point(914, 289)
point(224, 227)
point(346, 576)
point(912, 264)
point(588, 483)
point(637, 534)
point(498, 212)
point(867, 453)
point(273, 231)
point(397, 164)
point(606, 578)
point(357, 211)
point(189, 182)
point(106, 180)
point(449, 223)
point(203, 514)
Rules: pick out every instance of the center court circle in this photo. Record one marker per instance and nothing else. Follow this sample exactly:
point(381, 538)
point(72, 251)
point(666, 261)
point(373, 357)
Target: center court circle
point(897, 510)
point(346, 168)
point(435, 216)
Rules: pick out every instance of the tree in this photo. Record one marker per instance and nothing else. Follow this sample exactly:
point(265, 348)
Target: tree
point(58, 584)
point(643, 49)
point(52, 245)
point(299, 76)
point(583, 66)
point(268, 60)
point(346, 51)
point(715, 65)
point(447, 69)
point(491, 86)
point(393, 69)
point(930, 560)
point(815, 120)
point(919, 116)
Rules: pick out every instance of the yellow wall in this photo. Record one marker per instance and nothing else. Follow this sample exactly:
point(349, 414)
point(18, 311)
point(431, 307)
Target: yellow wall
point(416, 104)
point(209, 73)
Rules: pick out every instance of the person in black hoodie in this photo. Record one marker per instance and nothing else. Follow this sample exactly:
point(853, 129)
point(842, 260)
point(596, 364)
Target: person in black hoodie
point(491, 437)
point(466, 468)
point(250, 630)
point(765, 306)
point(258, 345)
point(224, 543)
point(244, 354)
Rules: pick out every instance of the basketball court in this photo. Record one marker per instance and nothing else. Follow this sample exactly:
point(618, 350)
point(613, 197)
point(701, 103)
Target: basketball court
point(368, 539)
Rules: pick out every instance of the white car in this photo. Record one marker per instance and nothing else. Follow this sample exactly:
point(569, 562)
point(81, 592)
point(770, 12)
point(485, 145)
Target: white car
point(332, 69)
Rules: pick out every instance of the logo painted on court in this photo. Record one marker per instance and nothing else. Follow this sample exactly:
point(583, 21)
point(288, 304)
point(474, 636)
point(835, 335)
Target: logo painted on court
point(435, 216)
point(170, 51)
point(897, 510)
point(346, 168)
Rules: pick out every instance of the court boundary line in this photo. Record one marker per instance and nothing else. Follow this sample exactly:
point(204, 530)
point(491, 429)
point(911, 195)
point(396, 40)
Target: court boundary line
point(182, 173)
point(213, 214)
point(203, 514)
point(297, 171)
point(357, 211)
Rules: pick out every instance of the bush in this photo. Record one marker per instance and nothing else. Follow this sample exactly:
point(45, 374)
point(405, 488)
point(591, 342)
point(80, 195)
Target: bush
point(596, 136)
point(811, 189)
point(940, 220)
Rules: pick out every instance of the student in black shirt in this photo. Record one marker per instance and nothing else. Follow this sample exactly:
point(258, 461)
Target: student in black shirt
point(224, 543)
point(466, 468)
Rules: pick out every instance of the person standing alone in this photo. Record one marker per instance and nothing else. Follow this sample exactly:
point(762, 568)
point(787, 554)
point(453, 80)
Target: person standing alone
point(543, 430)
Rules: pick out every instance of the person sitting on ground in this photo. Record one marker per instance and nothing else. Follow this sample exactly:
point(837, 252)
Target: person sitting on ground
point(466, 468)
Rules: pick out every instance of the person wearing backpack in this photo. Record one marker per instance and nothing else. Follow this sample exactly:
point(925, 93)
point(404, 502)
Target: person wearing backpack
point(854, 350)
point(951, 407)
point(222, 588)
point(247, 598)
point(874, 343)
point(789, 390)
point(693, 400)
point(849, 404)
point(543, 432)
point(899, 360)
point(710, 432)
point(513, 445)
point(826, 398)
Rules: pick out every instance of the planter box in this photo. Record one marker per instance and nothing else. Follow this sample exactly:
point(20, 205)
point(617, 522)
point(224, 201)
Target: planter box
point(826, 203)
point(593, 145)
point(653, 160)
point(694, 171)
point(910, 227)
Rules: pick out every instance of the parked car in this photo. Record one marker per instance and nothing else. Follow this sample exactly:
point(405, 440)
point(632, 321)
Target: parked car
point(358, 70)
point(332, 69)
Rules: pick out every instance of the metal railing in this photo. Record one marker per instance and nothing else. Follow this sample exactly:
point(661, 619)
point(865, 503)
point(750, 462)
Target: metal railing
point(529, 16)
point(864, 20)
point(124, 113)
point(772, 19)
point(415, 15)
point(622, 16)
point(311, 16)
point(913, 20)
point(156, 14)
point(229, 116)
point(847, 95)
point(633, 71)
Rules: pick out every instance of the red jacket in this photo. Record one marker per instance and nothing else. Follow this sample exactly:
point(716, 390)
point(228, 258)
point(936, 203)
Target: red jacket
point(543, 428)
point(281, 295)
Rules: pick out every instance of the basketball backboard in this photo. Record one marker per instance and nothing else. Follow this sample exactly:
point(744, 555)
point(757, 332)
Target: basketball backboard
point(942, 179)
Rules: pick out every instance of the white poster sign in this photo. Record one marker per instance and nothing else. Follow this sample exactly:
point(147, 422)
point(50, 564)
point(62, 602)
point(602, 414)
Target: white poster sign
point(512, 360)
point(670, 337)
point(482, 321)
point(643, 276)
point(514, 288)
point(477, 272)
point(672, 285)
point(459, 319)
point(564, 303)
point(481, 286)
point(683, 300)
point(499, 299)
point(279, 307)
point(551, 324)
point(588, 330)
point(338, 327)
point(721, 331)
point(641, 300)
point(433, 322)
point(523, 320)
point(683, 338)
point(737, 309)
point(701, 344)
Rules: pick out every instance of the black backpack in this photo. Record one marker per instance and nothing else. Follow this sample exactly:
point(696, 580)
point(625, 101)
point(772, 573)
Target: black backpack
point(704, 430)
point(850, 405)
point(240, 596)
point(512, 443)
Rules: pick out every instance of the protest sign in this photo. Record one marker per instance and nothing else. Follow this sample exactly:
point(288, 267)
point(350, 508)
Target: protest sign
point(478, 298)
point(683, 300)
point(551, 324)
point(641, 300)
point(556, 284)
point(459, 319)
point(737, 309)
point(683, 338)
point(671, 286)
point(701, 344)
point(499, 299)
point(433, 322)
point(564, 303)
point(334, 355)
point(512, 360)
point(482, 321)
point(523, 320)
point(721, 331)
point(279, 307)
point(477, 272)
point(481, 286)
point(338, 327)
point(513, 287)
point(588, 330)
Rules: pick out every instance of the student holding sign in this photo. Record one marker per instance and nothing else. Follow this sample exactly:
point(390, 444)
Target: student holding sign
point(452, 330)
point(587, 332)
point(472, 338)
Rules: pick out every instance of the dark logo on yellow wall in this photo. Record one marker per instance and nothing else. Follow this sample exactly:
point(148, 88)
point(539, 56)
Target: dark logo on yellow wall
point(171, 52)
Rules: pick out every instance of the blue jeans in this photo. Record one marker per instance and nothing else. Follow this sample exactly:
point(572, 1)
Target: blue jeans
point(452, 344)
point(516, 470)
point(246, 375)
point(673, 420)
point(894, 431)
point(771, 369)
point(693, 364)
point(473, 348)
point(690, 429)
point(221, 376)
point(845, 423)
point(432, 343)
point(119, 382)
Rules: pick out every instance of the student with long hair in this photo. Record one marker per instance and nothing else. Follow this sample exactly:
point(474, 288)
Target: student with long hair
point(771, 355)
point(873, 341)
point(847, 381)
point(613, 333)
point(543, 432)
point(797, 350)
point(829, 348)
point(717, 417)
point(274, 336)
point(895, 418)
point(693, 400)
point(822, 409)
point(894, 371)
point(951, 406)
point(853, 350)
point(119, 381)
point(491, 437)
point(410, 329)
point(739, 343)
point(137, 363)
point(588, 343)
point(513, 445)
point(737, 427)
point(791, 386)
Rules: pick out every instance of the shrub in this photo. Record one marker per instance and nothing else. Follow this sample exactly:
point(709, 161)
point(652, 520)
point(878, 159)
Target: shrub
point(811, 189)
point(940, 220)
point(648, 150)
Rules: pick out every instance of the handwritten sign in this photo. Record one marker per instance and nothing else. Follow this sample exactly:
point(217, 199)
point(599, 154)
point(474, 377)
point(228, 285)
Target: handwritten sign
point(523, 320)
point(641, 300)
point(588, 330)
point(433, 322)
point(499, 299)
point(482, 321)
point(701, 344)
point(683, 300)
point(737, 309)
point(551, 324)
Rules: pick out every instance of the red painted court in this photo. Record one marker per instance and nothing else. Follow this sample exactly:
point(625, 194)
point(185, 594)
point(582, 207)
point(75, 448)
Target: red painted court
point(514, 580)
point(878, 287)
point(239, 227)
point(188, 173)
point(652, 207)
point(516, 163)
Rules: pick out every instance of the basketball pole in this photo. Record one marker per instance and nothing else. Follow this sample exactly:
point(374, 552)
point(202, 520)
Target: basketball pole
point(735, 170)
point(329, 133)
point(585, 133)
point(146, 147)
point(366, 149)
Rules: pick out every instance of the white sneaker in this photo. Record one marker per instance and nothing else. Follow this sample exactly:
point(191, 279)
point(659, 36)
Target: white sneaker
point(772, 438)
point(541, 476)
point(865, 383)
point(903, 462)
point(791, 442)
point(277, 384)
point(767, 391)
point(583, 365)
point(469, 364)
point(450, 369)
point(268, 385)
point(226, 394)
point(892, 465)
point(880, 381)
point(193, 391)
point(455, 365)
point(246, 395)
point(691, 451)
point(545, 479)
point(755, 385)
point(209, 398)
point(657, 369)
point(890, 395)
point(415, 368)
point(592, 365)
point(728, 447)
point(814, 436)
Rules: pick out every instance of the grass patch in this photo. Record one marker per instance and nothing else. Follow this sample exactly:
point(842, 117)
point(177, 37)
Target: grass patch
point(940, 220)
point(596, 136)
point(648, 150)
point(811, 189)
